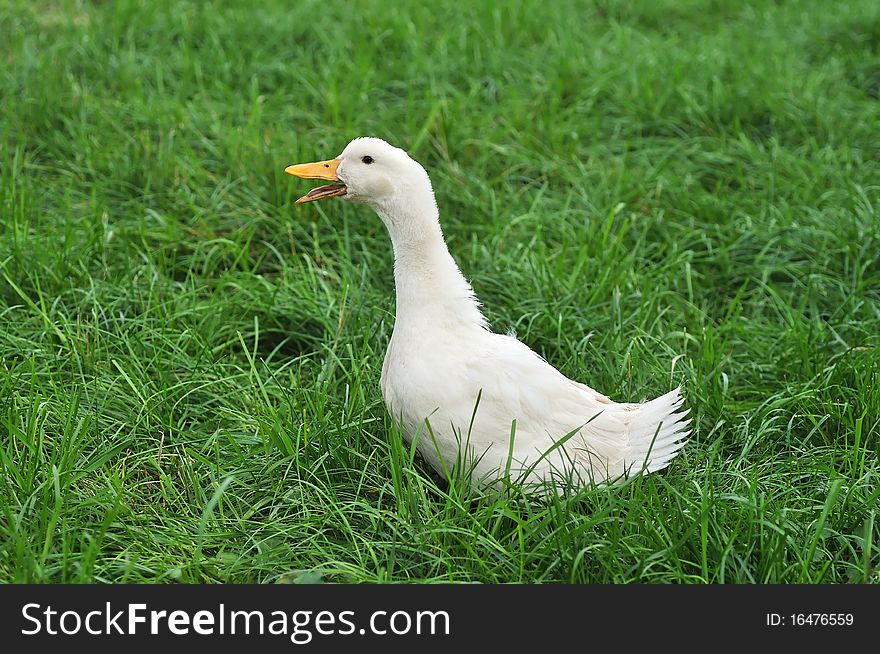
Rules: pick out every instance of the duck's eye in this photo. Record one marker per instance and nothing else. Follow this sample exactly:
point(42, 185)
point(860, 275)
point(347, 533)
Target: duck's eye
point(367, 160)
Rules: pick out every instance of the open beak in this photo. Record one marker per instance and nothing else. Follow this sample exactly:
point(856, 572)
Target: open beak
point(318, 170)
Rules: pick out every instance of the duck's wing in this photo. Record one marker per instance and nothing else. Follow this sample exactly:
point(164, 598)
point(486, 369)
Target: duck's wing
point(611, 439)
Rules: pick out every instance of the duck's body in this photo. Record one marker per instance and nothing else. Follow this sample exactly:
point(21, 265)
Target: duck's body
point(463, 392)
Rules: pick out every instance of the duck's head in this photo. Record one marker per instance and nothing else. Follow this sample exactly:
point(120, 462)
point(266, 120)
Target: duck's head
point(370, 171)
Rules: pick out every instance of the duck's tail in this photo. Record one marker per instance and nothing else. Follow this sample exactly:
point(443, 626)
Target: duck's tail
point(657, 431)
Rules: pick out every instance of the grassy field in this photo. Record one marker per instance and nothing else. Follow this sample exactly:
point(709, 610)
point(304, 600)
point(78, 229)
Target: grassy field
point(648, 193)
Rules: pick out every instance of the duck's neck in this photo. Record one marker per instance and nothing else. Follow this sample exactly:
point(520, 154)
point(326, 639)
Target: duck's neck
point(430, 289)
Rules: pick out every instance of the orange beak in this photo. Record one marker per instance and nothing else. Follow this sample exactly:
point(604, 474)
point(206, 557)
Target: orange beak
point(318, 170)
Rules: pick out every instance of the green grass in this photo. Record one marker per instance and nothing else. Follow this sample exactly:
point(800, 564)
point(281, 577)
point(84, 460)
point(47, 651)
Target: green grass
point(647, 192)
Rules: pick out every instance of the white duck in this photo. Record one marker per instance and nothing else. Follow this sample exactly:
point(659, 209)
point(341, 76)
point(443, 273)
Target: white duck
point(455, 386)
